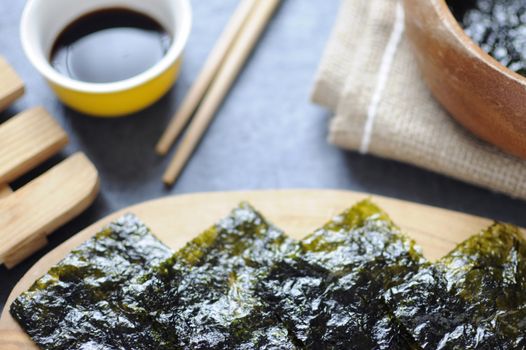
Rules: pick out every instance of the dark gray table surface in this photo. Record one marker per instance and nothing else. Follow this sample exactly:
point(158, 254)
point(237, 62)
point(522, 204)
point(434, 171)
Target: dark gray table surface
point(267, 134)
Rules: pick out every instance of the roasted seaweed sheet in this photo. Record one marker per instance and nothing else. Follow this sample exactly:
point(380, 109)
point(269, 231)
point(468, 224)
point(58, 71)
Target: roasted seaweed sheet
point(204, 296)
point(329, 292)
point(473, 298)
point(355, 283)
point(76, 305)
point(123, 289)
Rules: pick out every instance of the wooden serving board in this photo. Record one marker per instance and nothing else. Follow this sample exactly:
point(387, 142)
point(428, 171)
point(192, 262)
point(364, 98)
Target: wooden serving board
point(176, 220)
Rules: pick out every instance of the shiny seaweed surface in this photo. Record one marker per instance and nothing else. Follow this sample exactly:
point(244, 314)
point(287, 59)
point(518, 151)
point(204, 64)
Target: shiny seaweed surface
point(329, 292)
point(355, 283)
point(204, 296)
point(497, 26)
point(473, 298)
point(124, 290)
point(76, 304)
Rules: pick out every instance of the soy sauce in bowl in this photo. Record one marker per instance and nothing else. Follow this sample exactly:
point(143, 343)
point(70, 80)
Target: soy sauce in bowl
point(109, 45)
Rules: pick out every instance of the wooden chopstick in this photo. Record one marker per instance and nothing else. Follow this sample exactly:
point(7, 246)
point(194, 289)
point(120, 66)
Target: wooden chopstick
point(220, 86)
point(212, 65)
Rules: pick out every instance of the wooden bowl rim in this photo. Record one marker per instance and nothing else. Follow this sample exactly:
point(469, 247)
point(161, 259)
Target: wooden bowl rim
point(454, 27)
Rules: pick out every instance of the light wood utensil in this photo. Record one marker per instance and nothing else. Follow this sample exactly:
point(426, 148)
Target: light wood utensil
point(178, 219)
point(209, 71)
point(32, 212)
point(222, 83)
point(11, 86)
point(27, 140)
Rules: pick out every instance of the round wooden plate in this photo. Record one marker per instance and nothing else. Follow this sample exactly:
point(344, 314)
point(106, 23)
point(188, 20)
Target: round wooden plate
point(176, 220)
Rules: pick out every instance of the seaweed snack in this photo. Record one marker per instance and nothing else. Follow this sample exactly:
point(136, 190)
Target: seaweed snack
point(204, 296)
point(76, 304)
point(329, 292)
point(473, 298)
point(497, 26)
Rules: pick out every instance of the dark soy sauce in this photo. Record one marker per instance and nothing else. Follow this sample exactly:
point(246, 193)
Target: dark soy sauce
point(109, 45)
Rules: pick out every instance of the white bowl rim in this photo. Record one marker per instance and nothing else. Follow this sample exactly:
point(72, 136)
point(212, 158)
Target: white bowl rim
point(172, 55)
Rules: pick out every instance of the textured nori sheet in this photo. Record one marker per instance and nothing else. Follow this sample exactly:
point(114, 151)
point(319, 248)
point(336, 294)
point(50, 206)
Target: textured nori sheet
point(203, 297)
point(77, 304)
point(123, 289)
point(473, 298)
point(329, 292)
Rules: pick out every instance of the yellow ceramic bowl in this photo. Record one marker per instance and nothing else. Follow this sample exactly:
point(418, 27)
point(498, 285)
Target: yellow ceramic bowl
point(43, 20)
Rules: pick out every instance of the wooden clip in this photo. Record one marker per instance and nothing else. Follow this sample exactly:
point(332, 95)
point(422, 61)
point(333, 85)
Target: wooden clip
point(29, 214)
point(11, 86)
point(26, 140)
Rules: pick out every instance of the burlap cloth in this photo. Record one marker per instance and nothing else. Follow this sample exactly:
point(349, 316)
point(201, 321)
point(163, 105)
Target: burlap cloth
point(370, 80)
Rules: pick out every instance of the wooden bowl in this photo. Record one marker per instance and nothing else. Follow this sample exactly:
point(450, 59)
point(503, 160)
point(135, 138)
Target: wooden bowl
point(480, 93)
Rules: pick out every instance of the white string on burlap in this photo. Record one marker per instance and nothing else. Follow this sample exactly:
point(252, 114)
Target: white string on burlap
point(383, 75)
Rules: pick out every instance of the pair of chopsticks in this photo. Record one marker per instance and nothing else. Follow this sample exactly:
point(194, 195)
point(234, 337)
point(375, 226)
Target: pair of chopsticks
point(219, 73)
